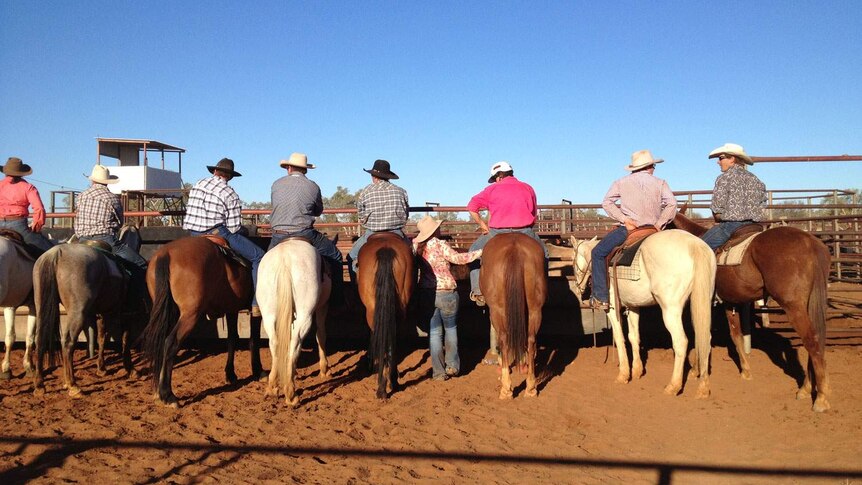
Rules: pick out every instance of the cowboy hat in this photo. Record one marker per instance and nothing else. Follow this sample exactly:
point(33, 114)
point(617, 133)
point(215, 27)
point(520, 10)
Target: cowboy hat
point(225, 165)
point(641, 159)
point(732, 149)
point(501, 166)
point(16, 168)
point(381, 170)
point(296, 160)
point(427, 226)
point(101, 175)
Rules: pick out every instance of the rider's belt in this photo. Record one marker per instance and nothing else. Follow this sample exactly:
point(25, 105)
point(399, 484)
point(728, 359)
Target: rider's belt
point(512, 228)
point(285, 233)
point(12, 218)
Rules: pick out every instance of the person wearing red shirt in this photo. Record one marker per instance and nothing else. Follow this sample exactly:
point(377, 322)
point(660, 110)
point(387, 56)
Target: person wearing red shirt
point(16, 197)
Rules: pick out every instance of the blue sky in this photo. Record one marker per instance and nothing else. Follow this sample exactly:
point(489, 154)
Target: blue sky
point(565, 91)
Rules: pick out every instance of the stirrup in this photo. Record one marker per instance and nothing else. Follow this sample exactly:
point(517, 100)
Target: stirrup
point(478, 298)
point(597, 304)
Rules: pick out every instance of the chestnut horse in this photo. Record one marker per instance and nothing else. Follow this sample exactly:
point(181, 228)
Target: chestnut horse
point(386, 278)
point(792, 267)
point(515, 286)
point(188, 279)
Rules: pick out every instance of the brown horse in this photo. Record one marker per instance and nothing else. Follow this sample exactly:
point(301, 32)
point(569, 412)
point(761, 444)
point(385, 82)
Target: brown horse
point(515, 285)
point(386, 278)
point(792, 267)
point(188, 279)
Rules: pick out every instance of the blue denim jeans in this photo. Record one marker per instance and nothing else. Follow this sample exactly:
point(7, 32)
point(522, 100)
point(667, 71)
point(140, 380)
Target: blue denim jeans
point(353, 255)
point(442, 328)
point(482, 240)
point(243, 246)
point(120, 249)
point(600, 263)
point(720, 233)
point(34, 239)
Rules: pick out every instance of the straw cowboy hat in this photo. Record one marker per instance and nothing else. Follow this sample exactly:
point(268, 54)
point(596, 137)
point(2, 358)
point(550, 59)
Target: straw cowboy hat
point(101, 175)
point(16, 168)
point(501, 166)
point(732, 149)
point(381, 170)
point(225, 165)
point(297, 160)
point(427, 225)
point(641, 159)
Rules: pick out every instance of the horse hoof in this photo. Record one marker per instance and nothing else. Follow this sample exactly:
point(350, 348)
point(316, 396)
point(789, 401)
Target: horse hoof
point(294, 403)
point(504, 395)
point(29, 372)
point(262, 375)
point(5, 375)
point(39, 391)
point(821, 405)
point(746, 375)
point(101, 372)
point(803, 394)
point(622, 379)
point(382, 395)
point(637, 372)
point(75, 393)
point(671, 390)
point(702, 394)
point(532, 393)
point(325, 373)
point(133, 375)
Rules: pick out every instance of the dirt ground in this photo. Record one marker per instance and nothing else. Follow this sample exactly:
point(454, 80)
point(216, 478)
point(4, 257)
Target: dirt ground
point(582, 428)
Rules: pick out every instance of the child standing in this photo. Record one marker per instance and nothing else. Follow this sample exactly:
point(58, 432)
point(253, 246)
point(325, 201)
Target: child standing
point(437, 291)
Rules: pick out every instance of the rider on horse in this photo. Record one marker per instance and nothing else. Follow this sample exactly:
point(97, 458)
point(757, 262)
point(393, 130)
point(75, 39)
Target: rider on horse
point(296, 201)
point(738, 197)
point(16, 196)
point(214, 208)
point(381, 206)
point(644, 200)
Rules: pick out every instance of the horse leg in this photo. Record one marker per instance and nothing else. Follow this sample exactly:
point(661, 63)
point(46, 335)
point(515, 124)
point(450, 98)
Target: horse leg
point(254, 347)
point(271, 388)
point(232, 337)
point(624, 371)
point(320, 323)
point(9, 316)
point(673, 323)
point(101, 338)
point(816, 358)
point(505, 364)
point(185, 324)
point(293, 350)
point(128, 366)
point(733, 322)
point(31, 338)
point(634, 316)
point(68, 337)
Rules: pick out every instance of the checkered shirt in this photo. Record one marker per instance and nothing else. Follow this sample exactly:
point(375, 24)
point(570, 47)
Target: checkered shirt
point(296, 201)
point(99, 212)
point(382, 206)
point(212, 202)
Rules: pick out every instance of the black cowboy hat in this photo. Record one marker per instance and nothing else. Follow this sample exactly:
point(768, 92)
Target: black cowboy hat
point(381, 170)
point(225, 165)
point(16, 168)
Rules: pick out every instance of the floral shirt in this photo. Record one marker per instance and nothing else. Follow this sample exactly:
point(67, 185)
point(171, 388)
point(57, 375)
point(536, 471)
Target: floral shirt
point(434, 264)
point(738, 196)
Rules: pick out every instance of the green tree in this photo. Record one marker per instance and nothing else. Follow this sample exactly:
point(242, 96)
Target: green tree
point(341, 199)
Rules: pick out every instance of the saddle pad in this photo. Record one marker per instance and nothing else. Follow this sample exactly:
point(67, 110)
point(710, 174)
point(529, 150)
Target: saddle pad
point(733, 256)
point(625, 255)
point(632, 272)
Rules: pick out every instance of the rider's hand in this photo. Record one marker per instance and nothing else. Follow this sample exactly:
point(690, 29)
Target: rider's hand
point(483, 227)
point(35, 226)
point(630, 225)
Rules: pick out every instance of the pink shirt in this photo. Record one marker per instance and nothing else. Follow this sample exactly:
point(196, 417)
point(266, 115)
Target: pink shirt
point(15, 198)
point(434, 264)
point(510, 202)
point(642, 197)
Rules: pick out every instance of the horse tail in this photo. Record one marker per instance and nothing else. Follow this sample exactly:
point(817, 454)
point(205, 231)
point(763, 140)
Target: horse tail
point(163, 317)
point(703, 287)
point(47, 300)
point(283, 321)
point(386, 310)
point(817, 299)
point(516, 305)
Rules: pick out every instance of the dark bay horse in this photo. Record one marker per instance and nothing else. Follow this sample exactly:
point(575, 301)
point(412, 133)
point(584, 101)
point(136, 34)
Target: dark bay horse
point(88, 283)
point(515, 286)
point(792, 267)
point(188, 279)
point(385, 279)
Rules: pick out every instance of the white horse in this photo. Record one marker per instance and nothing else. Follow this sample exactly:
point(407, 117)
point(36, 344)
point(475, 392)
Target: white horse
point(674, 266)
point(291, 286)
point(16, 289)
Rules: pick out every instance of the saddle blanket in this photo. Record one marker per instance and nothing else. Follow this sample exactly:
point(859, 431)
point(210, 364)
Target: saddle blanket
point(630, 273)
point(733, 256)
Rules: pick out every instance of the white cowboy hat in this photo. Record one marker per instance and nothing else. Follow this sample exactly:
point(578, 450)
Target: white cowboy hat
point(297, 160)
point(501, 166)
point(102, 175)
point(732, 149)
point(427, 225)
point(641, 159)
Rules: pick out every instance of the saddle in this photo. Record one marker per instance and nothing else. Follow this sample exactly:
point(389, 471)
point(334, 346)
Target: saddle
point(731, 252)
point(25, 250)
point(740, 234)
point(624, 255)
point(125, 267)
point(225, 249)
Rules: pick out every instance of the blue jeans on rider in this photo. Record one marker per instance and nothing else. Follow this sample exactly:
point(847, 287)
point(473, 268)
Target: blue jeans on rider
point(443, 308)
point(482, 240)
point(34, 239)
point(353, 255)
point(718, 234)
point(120, 249)
point(600, 264)
point(243, 246)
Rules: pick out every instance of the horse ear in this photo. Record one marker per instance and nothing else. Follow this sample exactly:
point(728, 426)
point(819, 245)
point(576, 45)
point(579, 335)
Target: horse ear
point(594, 238)
point(335, 239)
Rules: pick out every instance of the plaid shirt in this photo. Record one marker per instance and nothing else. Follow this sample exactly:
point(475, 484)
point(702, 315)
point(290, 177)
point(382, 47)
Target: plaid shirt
point(296, 201)
point(382, 206)
point(738, 196)
point(99, 212)
point(212, 202)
